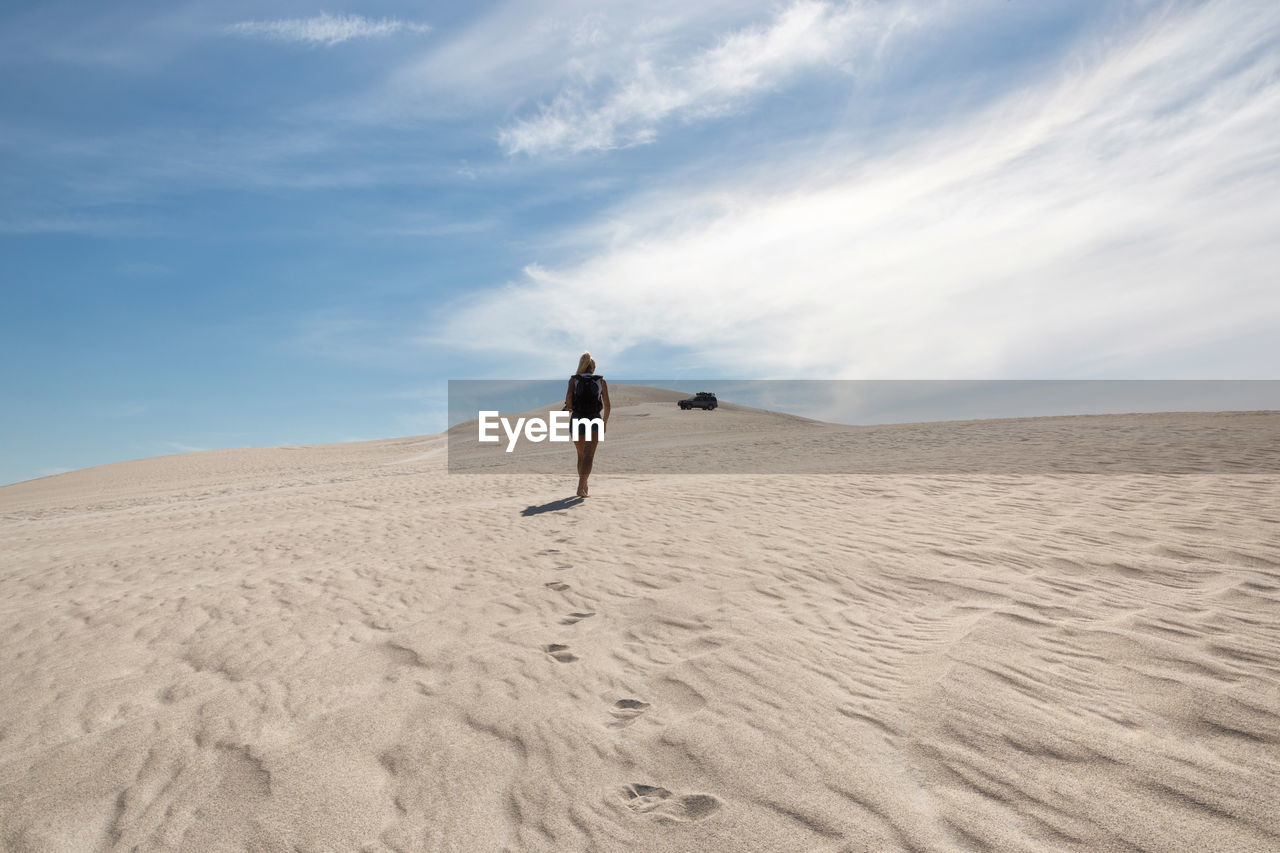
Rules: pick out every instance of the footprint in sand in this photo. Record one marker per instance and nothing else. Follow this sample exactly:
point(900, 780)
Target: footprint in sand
point(560, 652)
point(555, 554)
point(574, 618)
point(666, 806)
point(558, 586)
point(625, 711)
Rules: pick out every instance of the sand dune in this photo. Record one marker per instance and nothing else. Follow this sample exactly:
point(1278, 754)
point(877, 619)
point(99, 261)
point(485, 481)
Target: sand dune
point(651, 435)
point(348, 648)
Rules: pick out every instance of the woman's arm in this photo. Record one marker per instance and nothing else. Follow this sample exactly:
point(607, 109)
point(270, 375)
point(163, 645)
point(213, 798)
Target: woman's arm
point(604, 392)
point(568, 397)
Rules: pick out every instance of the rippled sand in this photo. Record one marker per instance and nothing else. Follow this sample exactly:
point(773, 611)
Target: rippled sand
point(347, 648)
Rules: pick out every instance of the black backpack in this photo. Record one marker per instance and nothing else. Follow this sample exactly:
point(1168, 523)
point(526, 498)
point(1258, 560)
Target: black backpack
point(587, 397)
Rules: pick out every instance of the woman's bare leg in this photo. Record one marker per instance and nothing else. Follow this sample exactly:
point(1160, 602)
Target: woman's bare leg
point(584, 465)
point(579, 445)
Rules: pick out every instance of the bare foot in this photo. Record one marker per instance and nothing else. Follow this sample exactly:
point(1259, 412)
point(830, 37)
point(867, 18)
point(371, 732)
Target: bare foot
point(582, 489)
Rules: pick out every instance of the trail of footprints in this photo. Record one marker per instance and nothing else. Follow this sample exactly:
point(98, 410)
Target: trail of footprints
point(664, 805)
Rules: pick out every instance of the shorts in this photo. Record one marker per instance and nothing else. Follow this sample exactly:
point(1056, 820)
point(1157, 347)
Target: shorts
point(588, 430)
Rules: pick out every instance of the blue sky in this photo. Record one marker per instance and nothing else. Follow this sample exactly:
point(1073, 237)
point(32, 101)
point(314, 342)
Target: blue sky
point(233, 224)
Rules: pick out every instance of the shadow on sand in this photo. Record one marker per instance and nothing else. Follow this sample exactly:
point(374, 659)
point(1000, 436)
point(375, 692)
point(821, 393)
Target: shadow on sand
point(554, 506)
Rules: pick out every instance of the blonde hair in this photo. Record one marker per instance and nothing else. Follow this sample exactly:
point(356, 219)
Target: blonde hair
point(586, 364)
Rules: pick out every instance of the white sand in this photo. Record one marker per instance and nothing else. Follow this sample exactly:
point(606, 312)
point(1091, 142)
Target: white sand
point(346, 648)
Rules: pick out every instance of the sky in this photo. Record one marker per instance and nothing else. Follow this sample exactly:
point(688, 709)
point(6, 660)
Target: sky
point(244, 224)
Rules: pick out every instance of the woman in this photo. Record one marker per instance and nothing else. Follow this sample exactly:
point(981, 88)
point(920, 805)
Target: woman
point(588, 399)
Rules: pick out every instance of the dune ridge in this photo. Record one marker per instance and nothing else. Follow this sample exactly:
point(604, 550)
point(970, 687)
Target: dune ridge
point(348, 648)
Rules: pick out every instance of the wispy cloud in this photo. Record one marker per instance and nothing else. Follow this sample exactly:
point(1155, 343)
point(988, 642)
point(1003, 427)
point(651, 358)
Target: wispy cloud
point(516, 54)
point(746, 63)
point(1117, 218)
point(325, 29)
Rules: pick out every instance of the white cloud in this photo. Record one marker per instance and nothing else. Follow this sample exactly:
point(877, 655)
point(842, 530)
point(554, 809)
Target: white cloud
point(521, 51)
point(325, 29)
point(1118, 219)
point(744, 64)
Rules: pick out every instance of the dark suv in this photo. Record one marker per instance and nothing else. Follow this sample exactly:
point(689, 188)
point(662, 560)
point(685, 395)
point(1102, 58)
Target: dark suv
point(701, 400)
